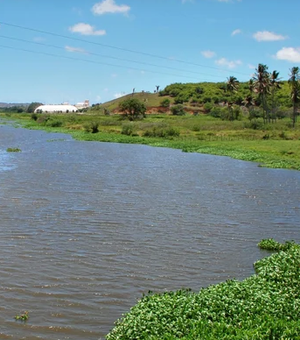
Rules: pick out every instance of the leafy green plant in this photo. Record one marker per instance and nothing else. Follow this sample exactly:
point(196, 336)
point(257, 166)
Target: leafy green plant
point(271, 244)
point(263, 306)
point(22, 317)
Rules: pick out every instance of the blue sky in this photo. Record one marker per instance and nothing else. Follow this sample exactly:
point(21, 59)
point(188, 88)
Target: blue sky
point(71, 50)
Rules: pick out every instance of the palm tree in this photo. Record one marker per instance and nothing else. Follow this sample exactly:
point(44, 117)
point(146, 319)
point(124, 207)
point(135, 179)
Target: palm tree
point(294, 83)
point(249, 103)
point(275, 85)
point(261, 82)
point(232, 85)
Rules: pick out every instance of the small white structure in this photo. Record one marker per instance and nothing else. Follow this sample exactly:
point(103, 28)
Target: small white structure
point(83, 105)
point(64, 108)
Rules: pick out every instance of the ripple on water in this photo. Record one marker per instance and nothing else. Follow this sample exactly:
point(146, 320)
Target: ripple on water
point(86, 228)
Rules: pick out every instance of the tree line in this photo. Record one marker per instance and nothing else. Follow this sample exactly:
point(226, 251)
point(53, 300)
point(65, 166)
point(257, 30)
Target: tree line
point(262, 90)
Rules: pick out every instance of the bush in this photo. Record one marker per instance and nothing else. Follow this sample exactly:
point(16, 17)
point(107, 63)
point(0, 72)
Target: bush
point(254, 124)
point(161, 132)
point(129, 129)
point(208, 107)
point(92, 127)
point(34, 116)
point(165, 102)
point(54, 123)
point(42, 119)
point(177, 110)
point(215, 111)
point(133, 108)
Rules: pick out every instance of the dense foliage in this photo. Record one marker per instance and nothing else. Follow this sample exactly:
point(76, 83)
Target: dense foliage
point(264, 306)
point(133, 108)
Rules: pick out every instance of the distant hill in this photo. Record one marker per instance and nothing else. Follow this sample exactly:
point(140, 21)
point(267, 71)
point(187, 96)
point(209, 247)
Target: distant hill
point(194, 96)
point(6, 105)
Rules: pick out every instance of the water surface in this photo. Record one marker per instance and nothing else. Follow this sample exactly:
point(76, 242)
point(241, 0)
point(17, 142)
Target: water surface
point(86, 228)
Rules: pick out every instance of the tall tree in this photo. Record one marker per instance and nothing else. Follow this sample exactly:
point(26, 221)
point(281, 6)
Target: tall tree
point(232, 85)
point(294, 82)
point(261, 81)
point(275, 85)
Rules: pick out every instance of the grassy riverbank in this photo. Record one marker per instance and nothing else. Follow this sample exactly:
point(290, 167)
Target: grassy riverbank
point(271, 145)
point(264, 306)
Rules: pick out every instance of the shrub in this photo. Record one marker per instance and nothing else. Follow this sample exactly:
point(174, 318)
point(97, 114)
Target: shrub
point(54, 123)
point(165, 102)
point(254, 124)
point(34, 116)
point(129, 129)
point(177, 110)
point(208, 107)
point(42, 119)
point(92, 127)
point(161, 132)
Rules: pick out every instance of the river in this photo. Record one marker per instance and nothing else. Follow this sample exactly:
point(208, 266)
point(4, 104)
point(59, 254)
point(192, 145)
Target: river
point(86, 228)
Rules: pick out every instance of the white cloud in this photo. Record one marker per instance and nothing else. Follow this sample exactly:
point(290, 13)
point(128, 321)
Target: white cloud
point(208, 54)
point(119, 95)
point(252, 67)
point(291, 54)
point(86, 29)
point(268, 36)
point(109, 6)
point(228, 63)
point(237, 31)
point(75, 49)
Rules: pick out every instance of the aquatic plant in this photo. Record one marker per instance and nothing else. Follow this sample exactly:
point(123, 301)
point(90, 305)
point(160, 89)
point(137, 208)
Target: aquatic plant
point(263, 306)
point(13, 150)
point(22, 317)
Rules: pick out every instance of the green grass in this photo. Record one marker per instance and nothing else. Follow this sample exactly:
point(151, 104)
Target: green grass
point(263, 306)
point(274, 146)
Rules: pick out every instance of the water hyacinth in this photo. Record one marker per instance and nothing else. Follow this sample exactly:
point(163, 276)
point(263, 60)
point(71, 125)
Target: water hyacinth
point(263, 306)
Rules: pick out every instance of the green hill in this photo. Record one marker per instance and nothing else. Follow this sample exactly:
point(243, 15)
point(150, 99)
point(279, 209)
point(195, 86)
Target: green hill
point(194, 96)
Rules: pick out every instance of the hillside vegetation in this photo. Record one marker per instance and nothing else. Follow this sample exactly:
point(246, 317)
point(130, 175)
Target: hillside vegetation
point(254, 121)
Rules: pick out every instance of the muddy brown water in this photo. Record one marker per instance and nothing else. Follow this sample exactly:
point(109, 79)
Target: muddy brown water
point(86, 228)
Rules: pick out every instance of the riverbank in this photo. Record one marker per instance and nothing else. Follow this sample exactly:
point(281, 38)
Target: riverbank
point(264, 306)
point(273, 146)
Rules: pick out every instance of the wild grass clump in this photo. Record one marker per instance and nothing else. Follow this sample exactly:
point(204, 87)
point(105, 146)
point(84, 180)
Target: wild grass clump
point(162, 132)
point(264, 306)
point(129, 129)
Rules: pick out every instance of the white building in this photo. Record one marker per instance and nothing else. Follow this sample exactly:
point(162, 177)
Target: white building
point(51, 108)
point(83, 105)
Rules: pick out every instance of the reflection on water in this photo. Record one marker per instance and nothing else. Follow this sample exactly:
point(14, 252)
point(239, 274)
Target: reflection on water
point(86, 228)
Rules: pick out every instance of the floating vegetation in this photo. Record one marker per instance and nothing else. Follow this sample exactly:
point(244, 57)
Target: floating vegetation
point(263, 306)
point(13, 150)
point(271, 244)
point(22, 317)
